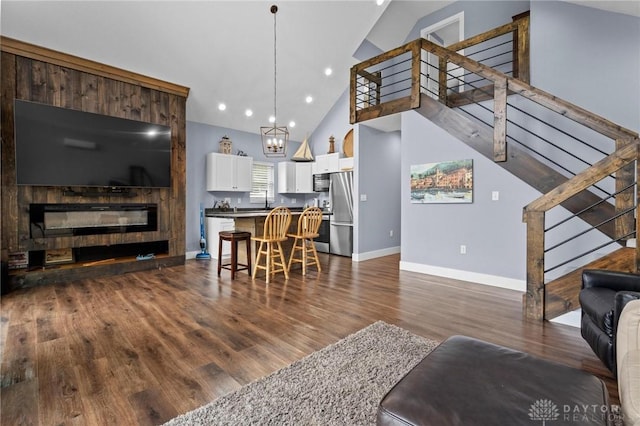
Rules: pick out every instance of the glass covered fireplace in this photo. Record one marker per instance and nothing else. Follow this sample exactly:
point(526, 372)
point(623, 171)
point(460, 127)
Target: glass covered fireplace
point(55, 220)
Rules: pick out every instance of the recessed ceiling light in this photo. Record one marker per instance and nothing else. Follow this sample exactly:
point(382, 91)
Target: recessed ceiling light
point(379, 2)
point(292, 124)
point(248, 113)
point(222, 106)
point(272, 119)
point(328, 71)
point(308, 99)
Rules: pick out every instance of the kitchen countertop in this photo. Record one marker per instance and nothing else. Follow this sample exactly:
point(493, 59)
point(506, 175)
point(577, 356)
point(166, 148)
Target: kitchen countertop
point(245, 213)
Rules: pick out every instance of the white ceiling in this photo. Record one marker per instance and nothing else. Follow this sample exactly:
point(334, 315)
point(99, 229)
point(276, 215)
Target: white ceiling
point(223, 50)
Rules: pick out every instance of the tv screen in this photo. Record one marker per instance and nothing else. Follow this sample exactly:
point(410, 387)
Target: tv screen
point(64, 147)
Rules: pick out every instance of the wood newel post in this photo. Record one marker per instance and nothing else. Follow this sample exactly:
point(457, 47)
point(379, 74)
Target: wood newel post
point(378, 86)
point(500, 120)
point(637, 168)
point(625, 198)
point(442, 80)
point(353, 90)
point(521, 48)
point(416, 51)
point(534, 298)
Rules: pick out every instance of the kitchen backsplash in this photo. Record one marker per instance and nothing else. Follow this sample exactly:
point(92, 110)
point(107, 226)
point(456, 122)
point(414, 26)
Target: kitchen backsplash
point(241, 200)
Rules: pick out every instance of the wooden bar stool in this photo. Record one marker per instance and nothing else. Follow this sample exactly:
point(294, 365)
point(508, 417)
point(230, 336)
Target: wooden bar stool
point(276, 226)
point(308, 226)
point(234, 237)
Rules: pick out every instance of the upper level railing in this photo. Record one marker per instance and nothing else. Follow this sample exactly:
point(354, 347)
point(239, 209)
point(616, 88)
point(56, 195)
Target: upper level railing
point(566, 138)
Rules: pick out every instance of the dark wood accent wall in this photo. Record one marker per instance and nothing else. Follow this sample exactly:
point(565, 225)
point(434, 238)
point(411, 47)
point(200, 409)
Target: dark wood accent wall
point(37, 74)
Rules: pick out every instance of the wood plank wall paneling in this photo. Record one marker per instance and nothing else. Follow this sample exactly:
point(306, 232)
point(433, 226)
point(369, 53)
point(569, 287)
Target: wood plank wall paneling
point(8, 189)
point(75, 83)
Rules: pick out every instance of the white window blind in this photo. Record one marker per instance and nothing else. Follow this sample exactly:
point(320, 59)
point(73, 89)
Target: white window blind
point(262, 180)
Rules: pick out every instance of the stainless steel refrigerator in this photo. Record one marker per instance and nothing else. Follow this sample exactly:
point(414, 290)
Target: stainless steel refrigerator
point(341, 223)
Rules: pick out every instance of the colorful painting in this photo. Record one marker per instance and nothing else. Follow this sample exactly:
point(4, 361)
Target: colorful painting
point(444, 182)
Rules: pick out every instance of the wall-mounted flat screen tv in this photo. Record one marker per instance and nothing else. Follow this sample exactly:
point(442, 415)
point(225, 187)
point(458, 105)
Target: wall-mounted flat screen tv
point(64, 147)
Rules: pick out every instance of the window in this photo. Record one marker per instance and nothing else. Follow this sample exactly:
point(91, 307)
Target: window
point(262, 181)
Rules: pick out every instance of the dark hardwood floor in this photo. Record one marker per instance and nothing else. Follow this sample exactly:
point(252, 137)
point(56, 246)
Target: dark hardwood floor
point(143, 347)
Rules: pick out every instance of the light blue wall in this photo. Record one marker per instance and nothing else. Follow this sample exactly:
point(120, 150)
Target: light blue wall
point(492, 230)
point(589, 57)
point(378, 166)
point(335, 123)
point(479, 16)
point(203, 139)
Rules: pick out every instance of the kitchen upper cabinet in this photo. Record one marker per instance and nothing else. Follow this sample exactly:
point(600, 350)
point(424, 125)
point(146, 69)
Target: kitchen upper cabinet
point(228, 172)
point(327, 163)
point(346, 163)
point(295, 178)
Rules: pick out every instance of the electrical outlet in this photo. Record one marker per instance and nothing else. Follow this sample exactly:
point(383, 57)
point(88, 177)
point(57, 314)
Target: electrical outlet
point(463, 249)
point(281, 200)
point(239, 200)
point(293, 200)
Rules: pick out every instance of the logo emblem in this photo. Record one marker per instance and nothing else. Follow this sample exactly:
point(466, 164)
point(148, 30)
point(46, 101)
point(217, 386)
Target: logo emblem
point(544, 410)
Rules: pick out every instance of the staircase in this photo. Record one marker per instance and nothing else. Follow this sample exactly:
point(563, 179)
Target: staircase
point(580, 161)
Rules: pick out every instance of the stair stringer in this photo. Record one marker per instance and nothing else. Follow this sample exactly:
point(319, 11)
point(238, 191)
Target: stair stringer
point(519, 163)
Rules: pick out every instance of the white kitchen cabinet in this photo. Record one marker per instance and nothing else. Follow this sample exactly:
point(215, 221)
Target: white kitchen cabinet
point(228, 172)
point(346, 163)
point(295, 178)
point(304, 178)
point(327, 163)
point(214, 226)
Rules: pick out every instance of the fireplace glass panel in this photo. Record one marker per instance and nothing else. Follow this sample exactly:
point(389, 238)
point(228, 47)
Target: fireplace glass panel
point(54, 220)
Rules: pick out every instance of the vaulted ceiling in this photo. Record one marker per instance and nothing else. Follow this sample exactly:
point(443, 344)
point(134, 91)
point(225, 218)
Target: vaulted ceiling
point(223, 50)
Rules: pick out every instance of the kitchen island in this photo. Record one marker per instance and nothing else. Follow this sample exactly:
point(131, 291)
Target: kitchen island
point(253, 221)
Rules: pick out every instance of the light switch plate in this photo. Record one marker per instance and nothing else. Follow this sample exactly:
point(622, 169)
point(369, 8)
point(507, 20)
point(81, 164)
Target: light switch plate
point(363, 197)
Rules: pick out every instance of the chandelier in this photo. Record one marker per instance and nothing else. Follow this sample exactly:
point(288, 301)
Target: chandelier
point(274, 138)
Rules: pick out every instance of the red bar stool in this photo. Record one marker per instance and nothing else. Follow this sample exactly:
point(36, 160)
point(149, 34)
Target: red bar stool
point(233, 237)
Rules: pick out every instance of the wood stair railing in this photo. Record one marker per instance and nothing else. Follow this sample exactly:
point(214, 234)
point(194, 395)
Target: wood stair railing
point(534, 216)
point(372, 97)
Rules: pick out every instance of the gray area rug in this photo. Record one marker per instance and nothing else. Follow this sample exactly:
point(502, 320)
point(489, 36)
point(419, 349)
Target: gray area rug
point(341, 384)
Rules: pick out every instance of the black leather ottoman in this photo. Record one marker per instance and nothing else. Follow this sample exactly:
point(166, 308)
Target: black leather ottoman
point(466, 381)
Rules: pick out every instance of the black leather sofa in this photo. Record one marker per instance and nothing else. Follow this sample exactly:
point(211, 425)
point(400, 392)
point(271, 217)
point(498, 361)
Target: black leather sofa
point(602, 297)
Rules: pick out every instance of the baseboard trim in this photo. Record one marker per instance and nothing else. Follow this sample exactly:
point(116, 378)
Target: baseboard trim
point(192, 255)
point(486, 279)
point(359, 257)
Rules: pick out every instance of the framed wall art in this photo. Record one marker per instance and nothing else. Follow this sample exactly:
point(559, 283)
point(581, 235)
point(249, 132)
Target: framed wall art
point(443, 182)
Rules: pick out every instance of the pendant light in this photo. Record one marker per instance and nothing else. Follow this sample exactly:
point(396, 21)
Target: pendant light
point(274, 138)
